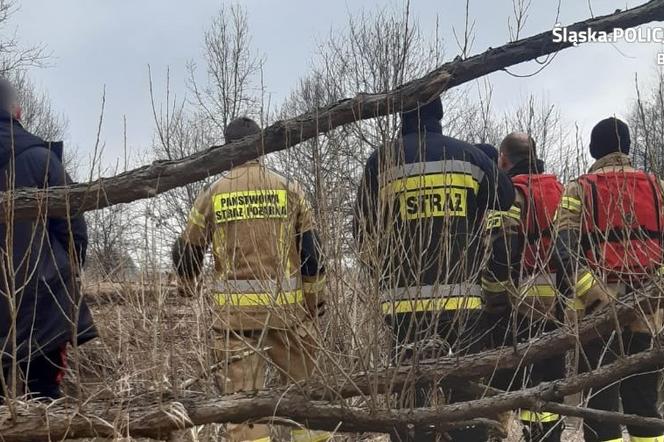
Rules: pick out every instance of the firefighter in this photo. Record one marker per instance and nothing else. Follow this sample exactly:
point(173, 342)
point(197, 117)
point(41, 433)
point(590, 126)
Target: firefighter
point(520, 282)
point(269, 277)
point(418, 219)
point(613, 217)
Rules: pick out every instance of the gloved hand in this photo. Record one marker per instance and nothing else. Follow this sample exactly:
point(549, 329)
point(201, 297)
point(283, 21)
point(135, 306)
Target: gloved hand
point(596, 298)
point(315, 304)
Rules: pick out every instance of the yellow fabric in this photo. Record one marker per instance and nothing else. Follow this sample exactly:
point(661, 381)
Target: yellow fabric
point(585, 283)
point(576, 304)
point(646, 439)
point(430, 181)
point(532, 416)
point(290, 353)
point(314, 286)
point(493, 286)
point(430, 305)
point(197, 218)
point(262, 439)
point(250, 204)
point(572, 204)
point(309, 436)
point(432, 195)
point(259, 299)
point(546, 291)
point(495, 217)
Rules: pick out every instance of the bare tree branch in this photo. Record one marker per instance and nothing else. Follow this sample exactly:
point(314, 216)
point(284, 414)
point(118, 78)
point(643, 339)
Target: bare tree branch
point(162, 176)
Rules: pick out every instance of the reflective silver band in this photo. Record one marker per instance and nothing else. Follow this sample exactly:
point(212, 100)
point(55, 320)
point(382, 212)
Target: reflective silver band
point(257, 286)
point(443, 166)
point(543, 279)
point(431, 292)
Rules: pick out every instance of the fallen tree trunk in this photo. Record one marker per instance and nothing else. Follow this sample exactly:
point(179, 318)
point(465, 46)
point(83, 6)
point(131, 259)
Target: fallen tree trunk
point(158, 419)
point(481, 364)
point(161, 176)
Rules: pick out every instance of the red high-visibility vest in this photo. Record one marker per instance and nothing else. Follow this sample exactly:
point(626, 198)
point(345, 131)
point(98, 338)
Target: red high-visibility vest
point(542, 194)
point(622, 222)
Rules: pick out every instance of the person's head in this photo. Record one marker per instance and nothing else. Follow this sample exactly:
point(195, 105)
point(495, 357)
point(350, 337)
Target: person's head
point(515, 148)
point(239, 128)
point(608, 136)
point(9, 99)
point(426, 117)
point(489, 151)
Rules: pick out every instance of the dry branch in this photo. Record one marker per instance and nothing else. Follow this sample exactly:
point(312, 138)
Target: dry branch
point(161, 176)
point(159, 418)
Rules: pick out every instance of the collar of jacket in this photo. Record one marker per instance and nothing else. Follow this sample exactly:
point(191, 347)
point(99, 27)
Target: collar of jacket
point(6, 116)
point(411, 126)
point(616, 159)
point(526, 167)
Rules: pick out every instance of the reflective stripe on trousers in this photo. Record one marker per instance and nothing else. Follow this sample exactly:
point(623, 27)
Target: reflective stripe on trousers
point(304, 435)
point(431, 292)
point(646, 439)
point(542, 417)
point(432, 298)
point(254, 292)
point(541, 286)
point(433, 305)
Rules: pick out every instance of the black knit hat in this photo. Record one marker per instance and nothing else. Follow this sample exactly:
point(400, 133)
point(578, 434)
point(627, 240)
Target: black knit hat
point(489, 151)
point(240, 128)
point(427, 115)
point(609, 136)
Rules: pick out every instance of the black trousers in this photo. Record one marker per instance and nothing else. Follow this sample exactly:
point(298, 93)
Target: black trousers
point(431, 335)
point(506, 331)
point(638, 393)
point(41, 377)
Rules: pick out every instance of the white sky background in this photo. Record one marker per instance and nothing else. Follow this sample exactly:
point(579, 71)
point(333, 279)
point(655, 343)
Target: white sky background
point(97, 43)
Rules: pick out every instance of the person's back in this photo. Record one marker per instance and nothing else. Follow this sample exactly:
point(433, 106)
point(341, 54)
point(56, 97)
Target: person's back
point(269, 277)
point(520, 281)
point(39, 280)
point(418, 220)
point(255, 217)
point(422, 203)
point(609, 245)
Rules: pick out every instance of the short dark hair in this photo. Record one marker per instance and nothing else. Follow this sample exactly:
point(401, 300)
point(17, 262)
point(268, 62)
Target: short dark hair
point(519, 146)
point(239, 128)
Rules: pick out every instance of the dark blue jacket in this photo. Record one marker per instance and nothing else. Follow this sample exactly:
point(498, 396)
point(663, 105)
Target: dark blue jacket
point(40, 258)
point(421, 206)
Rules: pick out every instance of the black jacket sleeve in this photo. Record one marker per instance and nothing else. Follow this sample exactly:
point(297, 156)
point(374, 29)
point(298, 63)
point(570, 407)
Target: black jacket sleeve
point(311, 254)
point(496, 190)
point(365, 215)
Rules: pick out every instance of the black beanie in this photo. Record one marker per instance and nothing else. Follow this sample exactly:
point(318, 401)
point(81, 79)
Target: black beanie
point(240, 128)
point(489, 151)
point(427, 116)
point(609, 136)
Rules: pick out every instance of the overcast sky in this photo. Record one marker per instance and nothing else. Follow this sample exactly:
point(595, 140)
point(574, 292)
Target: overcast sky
point(101, 43)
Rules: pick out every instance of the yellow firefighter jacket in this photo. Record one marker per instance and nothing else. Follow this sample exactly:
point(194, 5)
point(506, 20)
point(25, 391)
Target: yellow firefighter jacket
point(254, 219)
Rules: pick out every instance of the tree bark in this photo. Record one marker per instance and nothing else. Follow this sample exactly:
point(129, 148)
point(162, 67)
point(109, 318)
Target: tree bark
point(158, 419)
point(161, 176)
